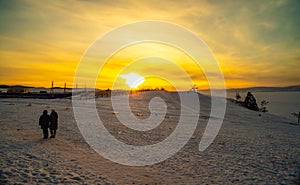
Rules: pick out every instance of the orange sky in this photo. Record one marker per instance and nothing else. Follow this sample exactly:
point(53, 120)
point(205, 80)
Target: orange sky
point(160, 64)
point(256, 43)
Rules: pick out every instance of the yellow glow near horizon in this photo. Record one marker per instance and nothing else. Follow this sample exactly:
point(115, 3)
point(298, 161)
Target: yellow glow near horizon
point(154, 61)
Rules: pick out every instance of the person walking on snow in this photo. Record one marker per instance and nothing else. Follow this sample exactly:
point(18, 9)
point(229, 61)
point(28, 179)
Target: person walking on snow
point(44, 122)
point(53, 123)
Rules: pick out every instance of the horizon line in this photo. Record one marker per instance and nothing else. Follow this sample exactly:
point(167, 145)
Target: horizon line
point(232, 88)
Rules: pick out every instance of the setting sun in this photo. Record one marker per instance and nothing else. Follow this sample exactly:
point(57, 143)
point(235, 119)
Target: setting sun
point(150, 92)
point(133, 80)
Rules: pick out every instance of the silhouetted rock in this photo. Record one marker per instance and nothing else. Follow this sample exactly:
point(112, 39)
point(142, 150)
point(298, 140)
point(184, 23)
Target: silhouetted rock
point(250, 102)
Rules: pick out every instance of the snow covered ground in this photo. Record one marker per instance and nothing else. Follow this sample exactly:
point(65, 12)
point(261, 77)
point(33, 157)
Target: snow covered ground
point(251, 148)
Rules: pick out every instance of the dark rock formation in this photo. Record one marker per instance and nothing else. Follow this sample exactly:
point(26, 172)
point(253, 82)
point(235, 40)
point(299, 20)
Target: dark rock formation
point(250, 102)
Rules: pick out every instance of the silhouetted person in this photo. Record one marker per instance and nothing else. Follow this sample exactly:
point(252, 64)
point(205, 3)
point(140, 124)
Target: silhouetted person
point(44, 123)
point(53, 123)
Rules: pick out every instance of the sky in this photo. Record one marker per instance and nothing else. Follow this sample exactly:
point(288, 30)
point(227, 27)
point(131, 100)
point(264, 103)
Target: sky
point(256, 43)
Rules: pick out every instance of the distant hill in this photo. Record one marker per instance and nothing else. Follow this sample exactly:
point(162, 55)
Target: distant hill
point(27, 87)
point(252, 89)
point(14, 86)
point(264, 89)
point(60, 88)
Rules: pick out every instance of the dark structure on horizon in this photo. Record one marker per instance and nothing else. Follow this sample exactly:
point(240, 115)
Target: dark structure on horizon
point(23, 92)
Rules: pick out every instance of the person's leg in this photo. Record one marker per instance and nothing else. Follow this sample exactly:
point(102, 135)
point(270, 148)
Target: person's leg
point(45, 132)
point(54, 133)
point(51, 132)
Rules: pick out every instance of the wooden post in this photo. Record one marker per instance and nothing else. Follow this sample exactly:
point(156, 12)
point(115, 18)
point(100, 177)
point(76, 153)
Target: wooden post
point(65, 88)
point(85, 92)
point(51, 91)
point(299, 117)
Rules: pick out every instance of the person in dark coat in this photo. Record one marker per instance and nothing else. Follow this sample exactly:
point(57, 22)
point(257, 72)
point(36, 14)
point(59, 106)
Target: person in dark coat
point(44, 122)
point(53, 123)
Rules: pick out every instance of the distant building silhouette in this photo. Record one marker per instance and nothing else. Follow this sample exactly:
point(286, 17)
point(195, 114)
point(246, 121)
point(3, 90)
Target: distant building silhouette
point(17, 90)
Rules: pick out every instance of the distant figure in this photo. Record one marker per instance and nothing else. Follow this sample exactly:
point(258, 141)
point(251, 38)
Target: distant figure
point(250, 102)
point(44, 122)
point(53, 123)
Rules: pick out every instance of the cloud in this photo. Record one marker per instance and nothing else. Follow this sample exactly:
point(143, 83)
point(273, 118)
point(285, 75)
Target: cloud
point(254, 38)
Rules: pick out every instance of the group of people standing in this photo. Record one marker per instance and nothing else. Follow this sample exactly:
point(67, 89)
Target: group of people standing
point(47, 121)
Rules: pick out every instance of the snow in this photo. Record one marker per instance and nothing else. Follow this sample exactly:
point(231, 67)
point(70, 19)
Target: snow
point(250, 148)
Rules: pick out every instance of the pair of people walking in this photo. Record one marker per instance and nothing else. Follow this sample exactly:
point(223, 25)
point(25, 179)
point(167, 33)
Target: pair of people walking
point(49, 122)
